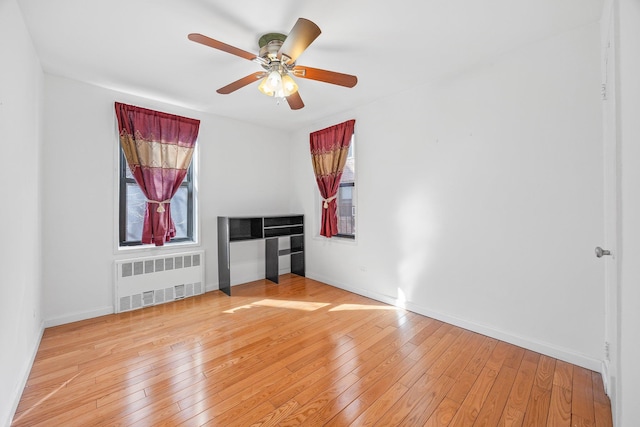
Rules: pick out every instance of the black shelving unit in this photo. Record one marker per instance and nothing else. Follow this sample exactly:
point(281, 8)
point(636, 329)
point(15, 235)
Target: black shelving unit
point(269, 228)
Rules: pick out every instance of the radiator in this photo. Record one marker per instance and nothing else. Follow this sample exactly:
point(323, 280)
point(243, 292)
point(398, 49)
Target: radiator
point(143, 282)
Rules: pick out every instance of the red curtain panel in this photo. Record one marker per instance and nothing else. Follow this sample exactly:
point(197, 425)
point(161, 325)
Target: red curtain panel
point(329, 150)
point(158, 148)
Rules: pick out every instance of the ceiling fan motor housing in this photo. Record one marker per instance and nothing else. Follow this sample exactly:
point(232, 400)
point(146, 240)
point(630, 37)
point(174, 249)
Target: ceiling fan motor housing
point(270, 44)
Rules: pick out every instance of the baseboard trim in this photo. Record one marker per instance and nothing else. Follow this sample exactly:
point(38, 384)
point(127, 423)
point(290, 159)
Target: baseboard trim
point(77, 316)
point(26, 370)
point(548, 349)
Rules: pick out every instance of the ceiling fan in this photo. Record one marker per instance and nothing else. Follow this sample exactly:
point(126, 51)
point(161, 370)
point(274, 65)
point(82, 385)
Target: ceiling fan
point(277, 56)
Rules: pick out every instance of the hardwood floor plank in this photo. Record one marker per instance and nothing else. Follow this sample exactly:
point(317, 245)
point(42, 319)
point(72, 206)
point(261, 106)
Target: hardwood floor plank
point(443, 414)
point(476, 365)
point(438, 347)
point(516, 405)
point(440, 366)
point(380, 406)
point(406, 331)
point(241, 419)
point(563, 375)
point(472, 404)
point(399, 411)
point(578, 421)
point(560, 407)
point(537, 411)
point(275, 417)
point(582, 401)
point(427, 345)
point(319, 400)
point(493, 406)
point(369, 373)
point(298, 353)
point(375, 383)
point(545, 373)
point(464, 383)
point(420, 413)
point(465, 354)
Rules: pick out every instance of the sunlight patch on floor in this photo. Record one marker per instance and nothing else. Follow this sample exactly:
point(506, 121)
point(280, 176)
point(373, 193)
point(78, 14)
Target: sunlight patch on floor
point(294, 305)
point(45, 398)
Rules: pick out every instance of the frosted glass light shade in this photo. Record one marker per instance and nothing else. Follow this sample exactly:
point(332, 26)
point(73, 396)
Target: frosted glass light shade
point(278, 85)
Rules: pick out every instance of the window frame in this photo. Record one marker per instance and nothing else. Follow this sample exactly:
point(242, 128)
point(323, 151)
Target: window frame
point(124, 181)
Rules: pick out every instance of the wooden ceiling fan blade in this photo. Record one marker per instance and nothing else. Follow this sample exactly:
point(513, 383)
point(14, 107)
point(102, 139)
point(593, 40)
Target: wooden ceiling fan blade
point(303, 33)
point(238, 84)
point(295, 101)
point(326, 76)
point(216, 44)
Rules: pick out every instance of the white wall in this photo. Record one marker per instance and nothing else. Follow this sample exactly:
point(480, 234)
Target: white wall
point(627, 410)
point(243, 169)
point(480, 199)
point(20, 277)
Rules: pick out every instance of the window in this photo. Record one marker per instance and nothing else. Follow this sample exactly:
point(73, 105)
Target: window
point(346, 197)
point(133, 203)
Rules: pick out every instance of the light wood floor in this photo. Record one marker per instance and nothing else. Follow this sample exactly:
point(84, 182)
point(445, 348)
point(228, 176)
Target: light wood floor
point(301, 353)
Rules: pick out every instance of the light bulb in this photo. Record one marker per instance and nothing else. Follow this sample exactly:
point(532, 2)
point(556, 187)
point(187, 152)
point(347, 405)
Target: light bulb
point(274, 80)
point(289, 86)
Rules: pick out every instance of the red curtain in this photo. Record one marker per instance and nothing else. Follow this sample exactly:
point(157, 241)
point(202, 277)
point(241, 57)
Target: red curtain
point(329, 150)
point(158, 148)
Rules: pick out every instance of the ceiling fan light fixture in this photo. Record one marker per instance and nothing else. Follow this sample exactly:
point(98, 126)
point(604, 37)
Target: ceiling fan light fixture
point(278, 85)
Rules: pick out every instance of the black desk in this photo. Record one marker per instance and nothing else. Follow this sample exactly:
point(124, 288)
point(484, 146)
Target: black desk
point(269, 228)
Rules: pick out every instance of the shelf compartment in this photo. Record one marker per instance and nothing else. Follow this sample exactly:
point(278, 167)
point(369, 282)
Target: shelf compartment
point(282, 231)
point(245, 229)
point(283, 221)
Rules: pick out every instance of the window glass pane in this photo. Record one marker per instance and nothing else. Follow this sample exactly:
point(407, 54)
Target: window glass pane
point(127, 171)
point(348, 175)
point(179, 211)
point(346, 211)
point(136, 203)
point(346, 200)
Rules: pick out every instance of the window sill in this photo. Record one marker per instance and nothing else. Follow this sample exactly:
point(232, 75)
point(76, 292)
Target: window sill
point(150, 248)
point(352, 241)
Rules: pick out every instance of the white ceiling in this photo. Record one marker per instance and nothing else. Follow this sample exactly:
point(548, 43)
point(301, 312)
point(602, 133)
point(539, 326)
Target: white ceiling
point(141, 46)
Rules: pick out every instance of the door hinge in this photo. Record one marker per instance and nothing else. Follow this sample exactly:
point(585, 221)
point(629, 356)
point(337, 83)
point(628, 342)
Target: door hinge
point(603, 91)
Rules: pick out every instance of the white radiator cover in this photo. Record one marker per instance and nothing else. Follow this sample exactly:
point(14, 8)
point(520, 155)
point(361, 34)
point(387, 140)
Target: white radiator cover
point(143, 282)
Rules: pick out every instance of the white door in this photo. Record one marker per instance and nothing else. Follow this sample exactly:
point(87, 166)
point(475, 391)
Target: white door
point(611, 189)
